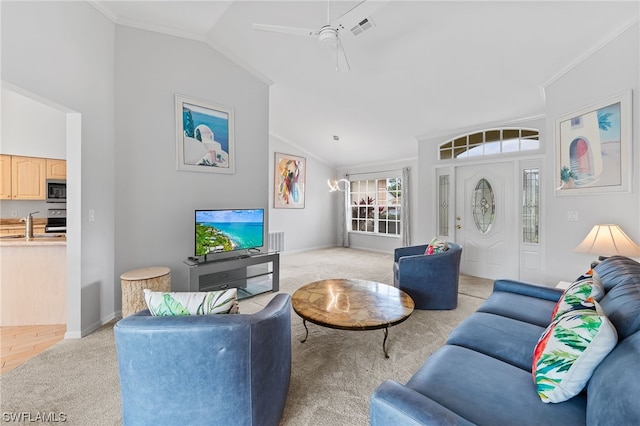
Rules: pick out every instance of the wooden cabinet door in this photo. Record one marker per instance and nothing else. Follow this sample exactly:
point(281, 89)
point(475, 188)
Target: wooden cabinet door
point(56, 169)
point(5, 175)
point(28, 178)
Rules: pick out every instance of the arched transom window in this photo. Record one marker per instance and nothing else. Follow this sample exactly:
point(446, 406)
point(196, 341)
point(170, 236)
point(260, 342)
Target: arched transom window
point(490, 142)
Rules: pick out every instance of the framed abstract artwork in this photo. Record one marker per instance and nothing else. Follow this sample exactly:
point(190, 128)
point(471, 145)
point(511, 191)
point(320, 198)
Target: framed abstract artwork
point(204, 136)
point(593, 148)
point(289, 179)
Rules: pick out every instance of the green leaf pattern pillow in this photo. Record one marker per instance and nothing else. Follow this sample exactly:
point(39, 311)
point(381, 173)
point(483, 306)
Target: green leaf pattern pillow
point(192, 303)
point(568, 352)
point(576, 295)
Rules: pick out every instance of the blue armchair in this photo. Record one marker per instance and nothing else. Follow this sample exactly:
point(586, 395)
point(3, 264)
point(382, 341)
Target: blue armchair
point(205, 369)
point(430, 280)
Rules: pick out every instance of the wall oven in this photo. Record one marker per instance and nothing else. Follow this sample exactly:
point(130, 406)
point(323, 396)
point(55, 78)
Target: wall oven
point(56, 221)
point(56, 191)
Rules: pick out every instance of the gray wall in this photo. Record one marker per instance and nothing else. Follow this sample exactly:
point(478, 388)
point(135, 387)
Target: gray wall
point(315, 225)
point(611, 70)
point(154, 202)
point(64, 52)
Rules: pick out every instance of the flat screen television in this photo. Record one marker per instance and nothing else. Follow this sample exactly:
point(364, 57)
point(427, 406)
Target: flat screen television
point(227, 230)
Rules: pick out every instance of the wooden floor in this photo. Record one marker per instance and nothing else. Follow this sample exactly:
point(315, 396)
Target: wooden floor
point(20, 343)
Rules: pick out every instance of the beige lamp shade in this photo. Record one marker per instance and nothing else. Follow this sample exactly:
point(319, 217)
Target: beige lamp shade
point(608, 240)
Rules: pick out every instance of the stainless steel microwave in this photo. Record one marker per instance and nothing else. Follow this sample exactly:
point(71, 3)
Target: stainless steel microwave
point(56, 191)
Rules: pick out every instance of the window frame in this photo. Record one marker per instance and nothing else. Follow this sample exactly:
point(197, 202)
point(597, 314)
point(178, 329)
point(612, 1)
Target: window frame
point(375, 208)
point(459, 147)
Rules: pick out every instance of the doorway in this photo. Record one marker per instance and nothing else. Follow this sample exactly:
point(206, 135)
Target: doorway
point(486, 220)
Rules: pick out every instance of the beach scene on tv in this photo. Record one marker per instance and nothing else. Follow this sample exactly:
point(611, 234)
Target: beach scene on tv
point(228, 230)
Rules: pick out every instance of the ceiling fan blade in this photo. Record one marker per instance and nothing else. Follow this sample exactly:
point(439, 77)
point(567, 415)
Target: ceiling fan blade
point(286, 30)
point(357, 13)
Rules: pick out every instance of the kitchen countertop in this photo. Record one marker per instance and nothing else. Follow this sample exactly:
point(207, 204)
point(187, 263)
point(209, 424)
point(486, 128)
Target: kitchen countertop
point(16, 221)
point(38, 240)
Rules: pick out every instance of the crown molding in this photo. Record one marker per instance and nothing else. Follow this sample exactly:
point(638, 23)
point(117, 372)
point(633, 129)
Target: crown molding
point(586, 55)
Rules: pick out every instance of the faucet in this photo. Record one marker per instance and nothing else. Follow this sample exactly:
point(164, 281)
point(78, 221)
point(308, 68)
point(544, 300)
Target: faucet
point(28, 225)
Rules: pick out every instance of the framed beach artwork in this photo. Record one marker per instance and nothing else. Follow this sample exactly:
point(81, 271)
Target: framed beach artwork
point(593, 148)
point(204, 133)
point(289, 178)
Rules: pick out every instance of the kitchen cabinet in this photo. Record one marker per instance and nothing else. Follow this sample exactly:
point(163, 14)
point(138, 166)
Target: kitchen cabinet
point(56, 169)
point(25, 178)
point(5, 175)
point(28, 178)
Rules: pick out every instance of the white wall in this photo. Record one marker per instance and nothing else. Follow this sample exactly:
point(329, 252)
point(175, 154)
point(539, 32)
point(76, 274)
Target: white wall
point(154, 202)
point(64, 52)
point(315, 225)
point(32, 128)
point(611, 70)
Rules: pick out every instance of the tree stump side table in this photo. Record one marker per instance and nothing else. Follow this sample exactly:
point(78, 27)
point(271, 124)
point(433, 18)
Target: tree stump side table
point(156, 278)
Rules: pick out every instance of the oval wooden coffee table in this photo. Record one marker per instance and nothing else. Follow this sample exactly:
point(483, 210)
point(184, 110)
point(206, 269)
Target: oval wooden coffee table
point(352, 304)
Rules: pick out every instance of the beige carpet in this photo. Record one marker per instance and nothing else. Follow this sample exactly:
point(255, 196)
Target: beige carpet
point(333, 373)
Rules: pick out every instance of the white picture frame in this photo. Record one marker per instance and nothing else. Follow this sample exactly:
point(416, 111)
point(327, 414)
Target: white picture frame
point(204, 136)
point(593, 148)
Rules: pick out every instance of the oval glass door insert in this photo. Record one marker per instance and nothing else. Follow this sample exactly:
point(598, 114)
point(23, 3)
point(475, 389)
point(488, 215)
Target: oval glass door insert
point(484, 206)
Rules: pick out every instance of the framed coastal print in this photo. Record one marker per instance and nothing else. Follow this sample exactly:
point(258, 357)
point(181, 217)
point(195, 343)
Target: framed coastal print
point(593, 148)
point(289, 178)
point(204, 136)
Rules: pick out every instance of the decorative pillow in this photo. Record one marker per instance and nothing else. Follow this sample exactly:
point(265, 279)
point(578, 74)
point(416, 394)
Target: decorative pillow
point(568, 352)
point(576, 294)
point(436, 246)
point(192, 303)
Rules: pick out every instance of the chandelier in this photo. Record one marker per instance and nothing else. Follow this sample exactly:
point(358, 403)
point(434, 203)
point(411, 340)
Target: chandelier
point(337, 184)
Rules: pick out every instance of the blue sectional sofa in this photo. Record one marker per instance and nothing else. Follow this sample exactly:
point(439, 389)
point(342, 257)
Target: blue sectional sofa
point(483, 376)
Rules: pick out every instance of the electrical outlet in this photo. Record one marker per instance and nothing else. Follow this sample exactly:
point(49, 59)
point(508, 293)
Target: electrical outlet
point(14, 213)
point(572, 216)
point(92, 215)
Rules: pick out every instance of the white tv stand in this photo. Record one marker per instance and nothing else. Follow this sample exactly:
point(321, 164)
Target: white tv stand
point(250, 274)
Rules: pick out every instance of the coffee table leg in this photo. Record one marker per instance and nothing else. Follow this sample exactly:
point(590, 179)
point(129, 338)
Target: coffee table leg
point(304, 322)
point(384, 342)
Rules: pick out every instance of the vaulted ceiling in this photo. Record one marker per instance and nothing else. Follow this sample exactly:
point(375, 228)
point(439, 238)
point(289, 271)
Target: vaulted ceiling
point(425, 68)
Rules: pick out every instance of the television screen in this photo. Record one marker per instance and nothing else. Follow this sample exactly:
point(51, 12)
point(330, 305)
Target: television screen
point(219, 231)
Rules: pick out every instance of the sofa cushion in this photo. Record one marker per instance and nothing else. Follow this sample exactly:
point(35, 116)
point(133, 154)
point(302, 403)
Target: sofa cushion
point(617, 270)
point(192, 303)
point(506, 339)
point(576, 294)
point(487, 391)
point(569, 351)
point(612, 392)
point(517, 306)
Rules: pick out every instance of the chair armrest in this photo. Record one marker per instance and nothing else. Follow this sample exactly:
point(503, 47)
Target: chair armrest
point(527, 289)
point(408, 251)
point(396, 404)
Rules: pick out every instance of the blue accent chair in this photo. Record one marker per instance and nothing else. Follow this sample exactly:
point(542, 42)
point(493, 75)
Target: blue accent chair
point(430, 280)
point(205, 369)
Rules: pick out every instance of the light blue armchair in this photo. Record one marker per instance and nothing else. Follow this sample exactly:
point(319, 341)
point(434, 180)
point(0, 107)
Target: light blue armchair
point(205, 369)
point(430, 280)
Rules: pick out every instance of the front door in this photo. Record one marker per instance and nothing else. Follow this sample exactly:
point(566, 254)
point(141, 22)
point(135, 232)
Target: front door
point(487, 220)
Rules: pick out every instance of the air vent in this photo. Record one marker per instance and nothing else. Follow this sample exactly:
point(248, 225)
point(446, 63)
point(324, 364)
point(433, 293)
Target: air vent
point(362, 26)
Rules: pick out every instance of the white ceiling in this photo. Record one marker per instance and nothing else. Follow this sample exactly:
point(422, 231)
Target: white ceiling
point(427, 68)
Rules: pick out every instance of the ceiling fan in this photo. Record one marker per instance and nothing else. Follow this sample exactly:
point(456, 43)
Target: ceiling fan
point(328, 35)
